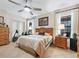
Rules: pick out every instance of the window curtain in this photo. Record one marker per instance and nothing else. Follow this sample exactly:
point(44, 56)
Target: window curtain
point(75, 22)
point(78, 24)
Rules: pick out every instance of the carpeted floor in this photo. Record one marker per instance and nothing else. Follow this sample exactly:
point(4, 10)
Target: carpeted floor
point(11, 51)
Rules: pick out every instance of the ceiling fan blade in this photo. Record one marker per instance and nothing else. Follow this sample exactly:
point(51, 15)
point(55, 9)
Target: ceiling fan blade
point(21, 10)
point(37, 9)
point(14, 2)
point(31, 13)
point(27, 7)
point(28, 1)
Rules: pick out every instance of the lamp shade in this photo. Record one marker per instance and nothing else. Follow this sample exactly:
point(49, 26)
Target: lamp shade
point(61, 26)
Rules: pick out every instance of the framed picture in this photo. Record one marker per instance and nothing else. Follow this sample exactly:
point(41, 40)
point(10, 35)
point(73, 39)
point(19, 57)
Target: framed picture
point(1, 20)
point(43, 21)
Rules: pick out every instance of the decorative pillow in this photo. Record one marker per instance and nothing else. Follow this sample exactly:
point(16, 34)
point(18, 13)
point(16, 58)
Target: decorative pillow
point(23, 33)
point(46, 34)
point(36, 33)
point(41, 33)
point(26, 33)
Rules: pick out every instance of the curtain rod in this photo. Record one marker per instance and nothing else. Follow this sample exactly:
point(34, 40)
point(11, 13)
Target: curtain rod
point(67, 9)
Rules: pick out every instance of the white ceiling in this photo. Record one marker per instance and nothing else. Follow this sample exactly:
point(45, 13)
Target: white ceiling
point(12, 8)
point(46, 5)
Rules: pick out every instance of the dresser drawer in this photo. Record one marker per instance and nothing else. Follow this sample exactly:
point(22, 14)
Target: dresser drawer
point(1, 40)
point(4, 38)
point(64, 42)
point(4, 42)
point(4, 35)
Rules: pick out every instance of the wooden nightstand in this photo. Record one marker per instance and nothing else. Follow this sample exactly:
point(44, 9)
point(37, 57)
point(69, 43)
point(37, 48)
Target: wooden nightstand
point(61, 41)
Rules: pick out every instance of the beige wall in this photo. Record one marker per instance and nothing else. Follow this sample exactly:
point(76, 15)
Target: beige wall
point(10, 18)
point(51, 20)
point(51, 17)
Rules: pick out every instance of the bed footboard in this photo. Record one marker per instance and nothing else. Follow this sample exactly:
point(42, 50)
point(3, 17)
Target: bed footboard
point(28, 50)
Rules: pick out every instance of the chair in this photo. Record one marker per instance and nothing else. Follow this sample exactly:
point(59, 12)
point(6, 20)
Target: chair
point(73, 44)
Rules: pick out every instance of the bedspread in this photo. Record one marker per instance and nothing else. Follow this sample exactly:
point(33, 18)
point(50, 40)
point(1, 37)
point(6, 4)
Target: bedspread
point(38, 43)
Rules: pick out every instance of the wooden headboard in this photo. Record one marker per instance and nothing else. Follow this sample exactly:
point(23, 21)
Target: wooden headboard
point(45, 30)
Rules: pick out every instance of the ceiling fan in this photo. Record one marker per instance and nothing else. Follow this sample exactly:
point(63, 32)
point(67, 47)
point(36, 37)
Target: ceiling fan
point(26, 7)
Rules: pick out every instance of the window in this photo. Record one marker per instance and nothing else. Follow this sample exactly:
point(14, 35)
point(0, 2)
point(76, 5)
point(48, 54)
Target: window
point(66, 20)
point(30, 26)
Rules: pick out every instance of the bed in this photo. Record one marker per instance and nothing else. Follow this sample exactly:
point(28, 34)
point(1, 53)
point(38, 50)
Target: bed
point(36, 44)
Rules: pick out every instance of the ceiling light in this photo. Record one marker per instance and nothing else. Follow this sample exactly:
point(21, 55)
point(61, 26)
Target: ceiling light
point(27, 9)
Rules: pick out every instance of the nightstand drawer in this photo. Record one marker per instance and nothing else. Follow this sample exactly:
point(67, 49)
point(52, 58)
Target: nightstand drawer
point(61, 42)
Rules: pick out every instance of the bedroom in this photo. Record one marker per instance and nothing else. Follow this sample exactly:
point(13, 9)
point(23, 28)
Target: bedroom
point(48, 21)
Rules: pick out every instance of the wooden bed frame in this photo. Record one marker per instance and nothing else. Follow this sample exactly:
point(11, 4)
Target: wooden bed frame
point(30, 50)
point(45, 30)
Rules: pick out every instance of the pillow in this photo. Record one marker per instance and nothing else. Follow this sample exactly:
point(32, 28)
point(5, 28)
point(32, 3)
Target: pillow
point(41, 33)
point(25, 33)
point(46, 34)
point(36, 33)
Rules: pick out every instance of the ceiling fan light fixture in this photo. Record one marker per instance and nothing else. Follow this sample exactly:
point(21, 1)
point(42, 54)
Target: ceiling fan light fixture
point(27, 9)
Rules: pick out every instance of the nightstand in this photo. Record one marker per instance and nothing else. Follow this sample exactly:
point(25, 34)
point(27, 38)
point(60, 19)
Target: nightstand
point(61, 41)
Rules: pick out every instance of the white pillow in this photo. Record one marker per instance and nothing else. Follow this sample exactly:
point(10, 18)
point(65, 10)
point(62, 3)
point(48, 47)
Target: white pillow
point(36, 33)
point(47, 34)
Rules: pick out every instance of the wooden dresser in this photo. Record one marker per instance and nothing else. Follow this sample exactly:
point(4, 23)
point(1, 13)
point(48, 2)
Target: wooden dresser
point(61, 41)
point(4, 35)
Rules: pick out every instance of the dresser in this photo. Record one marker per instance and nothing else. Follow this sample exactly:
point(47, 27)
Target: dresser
point(4, 35)
point(61, 41)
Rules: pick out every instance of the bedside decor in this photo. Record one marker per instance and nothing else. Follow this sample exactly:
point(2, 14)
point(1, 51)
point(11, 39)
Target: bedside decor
point(1, 21)
point(43, 21)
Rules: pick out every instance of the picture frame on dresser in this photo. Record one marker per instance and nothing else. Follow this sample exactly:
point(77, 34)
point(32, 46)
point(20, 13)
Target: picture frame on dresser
point(1, 21)
point(43, 21)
